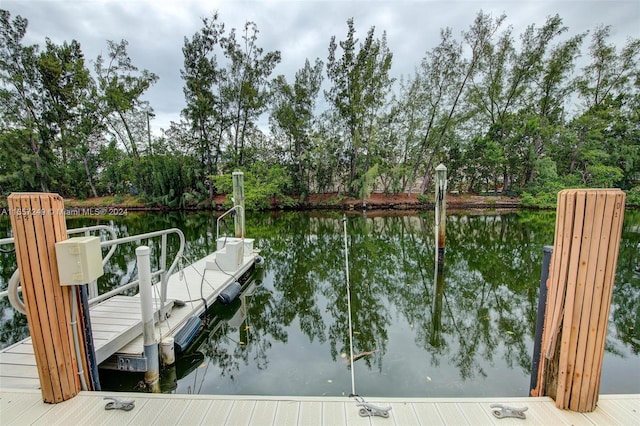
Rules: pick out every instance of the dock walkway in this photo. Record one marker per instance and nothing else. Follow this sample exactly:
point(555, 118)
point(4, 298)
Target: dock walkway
point(25, 407)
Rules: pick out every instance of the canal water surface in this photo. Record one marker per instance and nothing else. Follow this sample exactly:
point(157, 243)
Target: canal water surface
point(287, 334)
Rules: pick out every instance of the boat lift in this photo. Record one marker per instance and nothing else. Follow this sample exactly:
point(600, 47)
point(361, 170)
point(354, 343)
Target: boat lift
point(178, 295)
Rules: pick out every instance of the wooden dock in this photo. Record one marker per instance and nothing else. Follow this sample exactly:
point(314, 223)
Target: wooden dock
point(25, 407)
point(117, 325)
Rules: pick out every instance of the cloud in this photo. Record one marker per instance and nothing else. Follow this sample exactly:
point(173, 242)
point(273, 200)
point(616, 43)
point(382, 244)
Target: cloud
point(300, 29)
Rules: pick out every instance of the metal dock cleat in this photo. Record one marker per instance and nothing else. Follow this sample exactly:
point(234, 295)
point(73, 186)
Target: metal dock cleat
point(370, 410)
point(119, 404)
point(502, 411)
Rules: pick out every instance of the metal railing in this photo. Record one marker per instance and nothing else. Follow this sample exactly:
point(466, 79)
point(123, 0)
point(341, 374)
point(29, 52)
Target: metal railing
point(163, 273)
point(231, 210)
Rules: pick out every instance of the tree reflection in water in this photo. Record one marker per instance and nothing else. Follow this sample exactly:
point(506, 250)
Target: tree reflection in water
point(468, 333)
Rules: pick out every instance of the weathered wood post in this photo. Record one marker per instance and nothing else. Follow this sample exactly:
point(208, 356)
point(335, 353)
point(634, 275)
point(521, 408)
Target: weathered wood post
point(38, 222)
point(436, 306)
point(440, 238)
point(238, 201)
point(580, 284)
point(441, 213)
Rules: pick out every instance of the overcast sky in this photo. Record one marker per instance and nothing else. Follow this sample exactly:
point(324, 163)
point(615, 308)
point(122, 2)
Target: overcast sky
point(155, 29)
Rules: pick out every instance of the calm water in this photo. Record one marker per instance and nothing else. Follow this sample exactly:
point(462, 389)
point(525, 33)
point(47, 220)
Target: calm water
point(288, 333)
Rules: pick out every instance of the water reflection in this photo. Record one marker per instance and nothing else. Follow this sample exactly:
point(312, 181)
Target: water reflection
point(467, 331)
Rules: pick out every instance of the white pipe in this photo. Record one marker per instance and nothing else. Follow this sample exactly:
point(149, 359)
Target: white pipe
point(12, 291)
point(152, 374)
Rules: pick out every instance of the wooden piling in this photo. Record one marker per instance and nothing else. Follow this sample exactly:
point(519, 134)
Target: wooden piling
point(238, 201)
point(582, 272)
point(441, 212)
point(38, 223)
point(436, 305)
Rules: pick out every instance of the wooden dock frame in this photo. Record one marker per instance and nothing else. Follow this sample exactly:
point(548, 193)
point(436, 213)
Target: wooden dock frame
point(38, 222)
point(580, 284)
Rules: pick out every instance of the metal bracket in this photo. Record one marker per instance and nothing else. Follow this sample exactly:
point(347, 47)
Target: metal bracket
point(132, 363)
point(165, 312)
point(502, 411)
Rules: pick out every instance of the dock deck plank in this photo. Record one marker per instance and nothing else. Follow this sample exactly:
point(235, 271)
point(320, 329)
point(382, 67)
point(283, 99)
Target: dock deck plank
point(264, 413)
point(192, 415)
point(286, 413)
point(25, 407)
point(217, 413)
point(426, 411)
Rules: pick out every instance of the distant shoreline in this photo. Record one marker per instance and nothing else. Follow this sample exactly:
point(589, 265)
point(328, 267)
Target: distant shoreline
point(328, 201)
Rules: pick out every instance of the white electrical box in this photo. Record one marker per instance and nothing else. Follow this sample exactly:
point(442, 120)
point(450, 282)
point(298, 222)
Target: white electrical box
point(79, 260)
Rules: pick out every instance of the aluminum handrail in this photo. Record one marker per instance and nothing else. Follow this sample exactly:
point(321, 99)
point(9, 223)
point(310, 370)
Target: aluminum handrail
point(114, 243)
point(86, 231)
point(231, 210)
point(164, 232)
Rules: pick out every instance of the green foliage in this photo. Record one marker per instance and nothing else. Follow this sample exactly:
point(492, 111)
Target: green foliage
point(226, 91)
point(264, 187)
point(423, 198)
point(223, 184)
point(633, 197)
point(368, 181)
point(360, 85)
point(491, 105)
point(292, 120)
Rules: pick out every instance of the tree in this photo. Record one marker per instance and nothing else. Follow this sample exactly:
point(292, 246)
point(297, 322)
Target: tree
point(246, 85)
point(121, 86)
point(19, 95)
point(292, 119)
point(224, 100)
point(604, 146)
point(206, 110)
point(436, 94)
point(68, 117)
point(609, 74)
point(502, 93)
point(48, 102)
point(360, 86)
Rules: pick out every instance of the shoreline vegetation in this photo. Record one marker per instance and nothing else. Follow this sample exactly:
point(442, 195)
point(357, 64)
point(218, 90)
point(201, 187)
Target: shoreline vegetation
point(118, 205)
point(327, 201)
point(509, 115)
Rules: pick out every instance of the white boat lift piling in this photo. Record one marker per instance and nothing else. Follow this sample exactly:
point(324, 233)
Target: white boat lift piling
point(151, 376)
point(238, 201)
